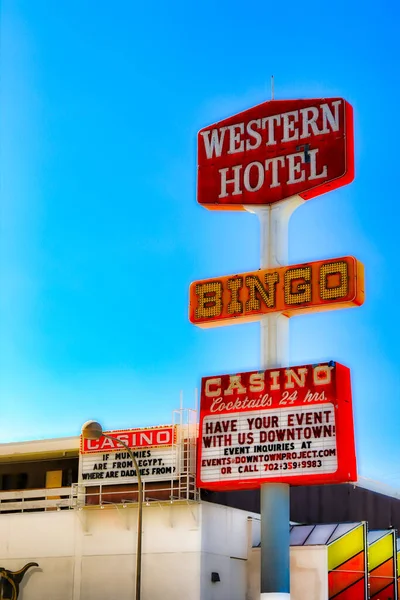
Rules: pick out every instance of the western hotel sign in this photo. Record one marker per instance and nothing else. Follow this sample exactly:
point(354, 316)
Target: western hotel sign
point(276, 150)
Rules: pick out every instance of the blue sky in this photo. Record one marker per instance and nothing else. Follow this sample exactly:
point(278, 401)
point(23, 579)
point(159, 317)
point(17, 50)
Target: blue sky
point(100, 232)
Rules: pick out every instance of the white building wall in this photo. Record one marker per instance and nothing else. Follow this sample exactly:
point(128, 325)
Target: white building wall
point(308, 573)
point(224, 550)
point(46, 538)
point(90, 554)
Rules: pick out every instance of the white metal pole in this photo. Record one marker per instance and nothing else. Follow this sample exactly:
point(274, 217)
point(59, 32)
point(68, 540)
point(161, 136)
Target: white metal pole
point(138, 574)
point(274, 335)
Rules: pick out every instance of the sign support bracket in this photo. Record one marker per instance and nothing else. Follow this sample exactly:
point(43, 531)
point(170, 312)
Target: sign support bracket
point(274, 342)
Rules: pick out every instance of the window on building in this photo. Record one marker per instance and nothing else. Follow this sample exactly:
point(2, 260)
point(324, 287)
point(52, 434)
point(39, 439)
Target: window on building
point(14, 481)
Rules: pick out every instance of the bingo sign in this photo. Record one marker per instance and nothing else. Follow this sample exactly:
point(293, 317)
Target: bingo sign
point(276, 150)
point(288, 425)
point(104, 461)
point(311, 287)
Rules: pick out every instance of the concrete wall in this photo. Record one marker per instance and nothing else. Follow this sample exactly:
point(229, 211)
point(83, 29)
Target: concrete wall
point(224, 549)
point(90, 554)
point(308, 573)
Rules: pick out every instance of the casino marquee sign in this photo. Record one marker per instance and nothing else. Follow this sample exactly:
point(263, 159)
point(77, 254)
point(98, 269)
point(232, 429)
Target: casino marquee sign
point(291, 425)
point(106, 462)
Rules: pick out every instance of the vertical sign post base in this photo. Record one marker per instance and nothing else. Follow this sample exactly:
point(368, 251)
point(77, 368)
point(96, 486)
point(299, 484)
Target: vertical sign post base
point(274, 333)
point(275, 596)
point(275, 543)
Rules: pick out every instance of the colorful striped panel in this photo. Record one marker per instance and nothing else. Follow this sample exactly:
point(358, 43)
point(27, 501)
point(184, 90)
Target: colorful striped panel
point(350, 572)
point(347, 577)
point(398, 570)
point(382, 578)
point(382, 567)
point(356, 592)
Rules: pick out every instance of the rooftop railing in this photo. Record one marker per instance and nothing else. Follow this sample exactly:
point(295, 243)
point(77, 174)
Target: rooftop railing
point(38, 500)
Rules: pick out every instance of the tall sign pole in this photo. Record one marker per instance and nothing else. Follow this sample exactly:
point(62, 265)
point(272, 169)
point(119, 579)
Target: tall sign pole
point(279, 425)
point(274, 233)
point(274, 346)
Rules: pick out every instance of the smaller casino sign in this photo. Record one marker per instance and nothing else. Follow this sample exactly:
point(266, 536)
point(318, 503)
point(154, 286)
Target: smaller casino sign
point(104, 461)
point(310, 287)
point(290, 425)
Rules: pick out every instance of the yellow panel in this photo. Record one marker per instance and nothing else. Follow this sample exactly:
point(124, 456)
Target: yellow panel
point(380, 551)
point(345, 547)
point(53, 479)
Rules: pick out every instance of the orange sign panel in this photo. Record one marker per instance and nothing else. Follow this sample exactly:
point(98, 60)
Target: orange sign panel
point(310, 287)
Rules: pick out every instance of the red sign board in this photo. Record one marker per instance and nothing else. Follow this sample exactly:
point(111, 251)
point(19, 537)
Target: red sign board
point(274, 151)
point(292, 425)
point(148, 437)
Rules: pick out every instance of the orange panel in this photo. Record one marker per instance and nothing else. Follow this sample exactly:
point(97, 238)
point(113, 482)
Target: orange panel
point(309, 287)
point(381, 577)
point(386, 594)
point(346, 575)
point(354, 592)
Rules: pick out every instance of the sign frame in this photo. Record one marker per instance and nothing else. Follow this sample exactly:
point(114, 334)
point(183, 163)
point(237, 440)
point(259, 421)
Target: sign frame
point(345, 442)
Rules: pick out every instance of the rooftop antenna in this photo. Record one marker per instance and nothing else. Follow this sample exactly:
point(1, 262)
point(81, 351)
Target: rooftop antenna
point(272, 87)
